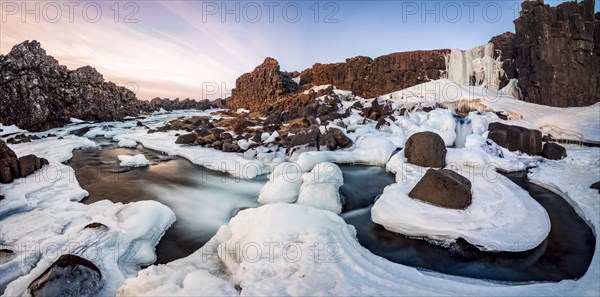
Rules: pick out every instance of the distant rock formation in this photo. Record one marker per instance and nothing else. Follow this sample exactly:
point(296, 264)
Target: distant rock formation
point(555, 54)
point(176, 104)
point(37, 93)
point(261, 86)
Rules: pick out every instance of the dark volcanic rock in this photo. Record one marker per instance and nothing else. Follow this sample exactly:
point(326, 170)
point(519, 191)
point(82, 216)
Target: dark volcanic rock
point(70, 275)
point(516, 138)
point(596, 186)
point(369, 78)
point(425, 149)
point(340, 138)
point(306, 138)
point(37, 93)
point(12, 167)
point(557, 52)
point(186, 138)
point(444, 188)
point(327, 141)
point(554, 151)
point(176, 104)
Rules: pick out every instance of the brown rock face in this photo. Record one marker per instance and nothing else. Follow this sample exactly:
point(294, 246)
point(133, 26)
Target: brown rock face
point(369, 78)
point(12, 167)
point(444, 188)
point(425, 149)
point(557, 52)
point(176, 104)
point(516, 138)
point(261, 86)
point(37, 93)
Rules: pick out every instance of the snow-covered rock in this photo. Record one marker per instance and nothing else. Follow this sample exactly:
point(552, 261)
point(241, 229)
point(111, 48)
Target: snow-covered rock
point(501, 217)
point(138, 160)
point(283, 185)
point(320, 187)
point(129, 143)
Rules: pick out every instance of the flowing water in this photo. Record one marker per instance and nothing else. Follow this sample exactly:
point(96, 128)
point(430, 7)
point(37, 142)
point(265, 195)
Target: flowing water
point(203, 200)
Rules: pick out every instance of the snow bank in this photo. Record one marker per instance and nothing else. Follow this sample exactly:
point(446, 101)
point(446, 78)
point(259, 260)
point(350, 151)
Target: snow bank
point(129, 143)
point(41, 220)
point(232, 163)
point(320, 188)
point(283, 185)
point(368, 150)
point(138, 160)
point(53, 149)
point(575, 123)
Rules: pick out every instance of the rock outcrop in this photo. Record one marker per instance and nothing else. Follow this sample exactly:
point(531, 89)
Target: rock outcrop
point(444, 188)
point(37, 93)
point(261, 87)
point(425, 149)
point(557, 53)
point(12, 167)
point(516, 138)
point(368, 77)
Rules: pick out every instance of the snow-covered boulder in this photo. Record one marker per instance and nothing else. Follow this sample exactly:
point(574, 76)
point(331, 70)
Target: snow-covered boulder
point(129, 143)
point(133, 161)
point(320, 188)
point(501, 217)
point(283, 185)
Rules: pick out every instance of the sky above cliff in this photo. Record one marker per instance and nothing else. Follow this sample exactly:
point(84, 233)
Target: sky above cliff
point(197, 49)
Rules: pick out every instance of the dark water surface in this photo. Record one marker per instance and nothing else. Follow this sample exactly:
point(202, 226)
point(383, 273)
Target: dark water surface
point(203, 200)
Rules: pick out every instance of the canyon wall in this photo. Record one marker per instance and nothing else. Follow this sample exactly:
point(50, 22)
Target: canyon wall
point(555, 55)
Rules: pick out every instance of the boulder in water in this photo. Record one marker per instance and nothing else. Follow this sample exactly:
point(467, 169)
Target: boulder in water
point(426, 149)
point(444, 188)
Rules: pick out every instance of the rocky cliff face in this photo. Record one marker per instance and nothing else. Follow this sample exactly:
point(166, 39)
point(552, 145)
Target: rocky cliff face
point(261, 86)
point(368, 77)
point(557, 53)
point(364, 76)
point(38, 93)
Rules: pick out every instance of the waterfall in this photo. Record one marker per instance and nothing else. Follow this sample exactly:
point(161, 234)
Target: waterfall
point(475, 67)
point(463, 128)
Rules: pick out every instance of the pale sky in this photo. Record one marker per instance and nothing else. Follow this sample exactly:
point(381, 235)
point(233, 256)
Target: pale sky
point(178, 48)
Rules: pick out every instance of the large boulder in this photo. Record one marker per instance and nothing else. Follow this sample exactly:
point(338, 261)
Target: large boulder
point(189, 138)
point(308, 138)
point(444, 188)
point(70, 275)
point(554, 151)
point(341, 139)
point(426, 149)
point(516, 138)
